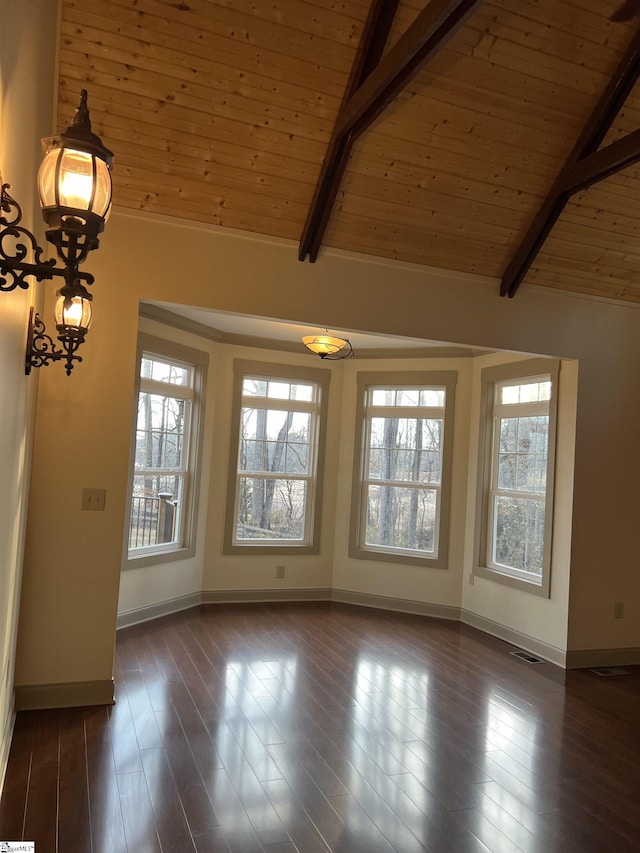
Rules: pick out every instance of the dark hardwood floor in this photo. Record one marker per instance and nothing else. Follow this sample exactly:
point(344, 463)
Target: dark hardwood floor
point(316, 727)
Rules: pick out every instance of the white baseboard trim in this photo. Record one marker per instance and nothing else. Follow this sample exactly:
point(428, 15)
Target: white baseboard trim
point(75, 694)
point(5, 741)
point(399, 605)
point(588, 658)
point(155, 611)
point(258, 596)
point(523, 641)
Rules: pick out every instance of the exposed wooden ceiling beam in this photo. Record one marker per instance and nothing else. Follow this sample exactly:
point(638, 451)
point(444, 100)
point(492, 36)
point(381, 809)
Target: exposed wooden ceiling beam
point(426, 35)
point(374, 38)
point(373, 85)
point(583, 165)
point(607, 161)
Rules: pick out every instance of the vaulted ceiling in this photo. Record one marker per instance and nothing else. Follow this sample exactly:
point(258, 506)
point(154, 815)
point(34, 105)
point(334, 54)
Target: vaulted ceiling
point(221, 111)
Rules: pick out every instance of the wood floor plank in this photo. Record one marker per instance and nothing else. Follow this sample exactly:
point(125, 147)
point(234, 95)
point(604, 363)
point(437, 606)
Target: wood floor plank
point(16, 786)
point(41, 818)
point(170, 819)
point(107, 827)
point(137, 813)
point(295, 819)
point(324, 727)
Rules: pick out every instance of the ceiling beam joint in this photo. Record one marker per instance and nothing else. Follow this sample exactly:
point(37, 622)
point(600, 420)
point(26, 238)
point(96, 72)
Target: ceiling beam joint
point(374, 38)
point(373, 84)
point(602, 164)
point(584, 166)
point(426, 35)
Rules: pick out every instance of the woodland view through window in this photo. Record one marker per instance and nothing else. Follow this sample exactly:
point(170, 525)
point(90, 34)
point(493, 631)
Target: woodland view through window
point(403, 467)
point(275, 476)
point(518, 473)
point(164, 451)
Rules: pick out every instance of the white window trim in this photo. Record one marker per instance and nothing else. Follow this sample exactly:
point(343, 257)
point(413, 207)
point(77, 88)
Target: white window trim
point(291, 373)
point(490, 378)
point(199, 361)
point(406, 379)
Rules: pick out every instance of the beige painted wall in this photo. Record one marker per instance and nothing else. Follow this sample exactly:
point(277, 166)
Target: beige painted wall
point(150, 257)
point(26, 98)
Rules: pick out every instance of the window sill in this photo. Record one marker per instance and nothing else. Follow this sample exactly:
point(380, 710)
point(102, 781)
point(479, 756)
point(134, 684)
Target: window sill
point(398, 558)
point(275, 548)
point(157, 558)
point(533, 587)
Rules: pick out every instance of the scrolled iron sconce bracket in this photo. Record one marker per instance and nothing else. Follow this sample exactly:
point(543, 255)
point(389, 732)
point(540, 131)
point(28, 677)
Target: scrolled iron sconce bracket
point(13, 267)
point(74, 184)
point(41, 349)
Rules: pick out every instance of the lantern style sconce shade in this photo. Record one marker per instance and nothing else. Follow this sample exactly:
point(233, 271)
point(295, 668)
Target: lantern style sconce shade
point(74, 184)
point(328, 346)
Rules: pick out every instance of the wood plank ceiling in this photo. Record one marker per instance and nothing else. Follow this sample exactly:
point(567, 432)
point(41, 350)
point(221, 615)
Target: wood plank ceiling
point(221, 111)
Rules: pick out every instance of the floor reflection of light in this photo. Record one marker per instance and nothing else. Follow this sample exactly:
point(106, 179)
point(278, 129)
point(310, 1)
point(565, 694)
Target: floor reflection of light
point(511, 729)
point(510, 799)
point(383, 730)
point(259, 703)
point(512, 759)
point(260, 692)
point(118, 757)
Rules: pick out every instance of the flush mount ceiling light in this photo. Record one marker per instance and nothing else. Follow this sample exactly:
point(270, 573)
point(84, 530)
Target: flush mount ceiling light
point(74, 183)
point(328, 346)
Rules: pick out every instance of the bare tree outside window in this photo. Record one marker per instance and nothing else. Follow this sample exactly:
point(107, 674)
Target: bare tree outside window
point(276, 459)
point(161, 452)
point(520, 456)
point(403, 467)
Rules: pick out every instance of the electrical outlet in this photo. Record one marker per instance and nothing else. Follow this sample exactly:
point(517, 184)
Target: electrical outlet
point(94, 499)
point(618, 610)
point(472, 579)
point(279, 571)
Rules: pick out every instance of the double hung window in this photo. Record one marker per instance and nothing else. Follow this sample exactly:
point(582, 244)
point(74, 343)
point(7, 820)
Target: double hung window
point(517, 475)
point(402, 467)
point(164, 449)
point(274, 480)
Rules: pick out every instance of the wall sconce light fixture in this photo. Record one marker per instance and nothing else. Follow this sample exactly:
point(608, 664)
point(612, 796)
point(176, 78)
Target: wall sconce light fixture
point(328, 346)
point(74, 184)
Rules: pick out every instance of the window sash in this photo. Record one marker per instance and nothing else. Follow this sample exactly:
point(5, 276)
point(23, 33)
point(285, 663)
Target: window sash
point(527, 510)
point(303, 539)
point(280, 405)
point(310, 445)
point(394, 548)
point(502, 412)
point(185, 435)
point(493, 540)
point(176, 540)
point(151, 505)
point(408, 486)
point(308, 478)
point(369, 449)
point(166, 389)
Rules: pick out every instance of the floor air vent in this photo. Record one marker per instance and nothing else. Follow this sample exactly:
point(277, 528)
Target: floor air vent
point(610, 670)
point(527, 657)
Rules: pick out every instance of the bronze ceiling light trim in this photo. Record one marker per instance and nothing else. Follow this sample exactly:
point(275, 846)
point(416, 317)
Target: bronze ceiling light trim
point(373, 85)
point(584, 166)
point(329, 346)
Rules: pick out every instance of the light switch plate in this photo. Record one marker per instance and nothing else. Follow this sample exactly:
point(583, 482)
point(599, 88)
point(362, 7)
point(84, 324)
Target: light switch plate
point(94, 499)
